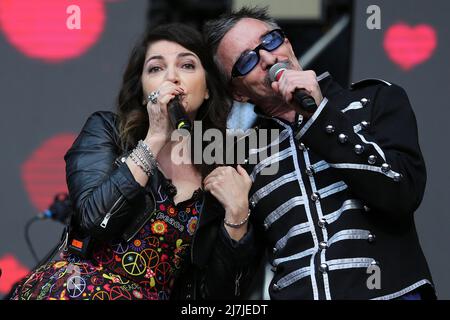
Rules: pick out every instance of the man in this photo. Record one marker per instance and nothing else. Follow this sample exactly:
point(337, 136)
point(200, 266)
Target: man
point(337, 217)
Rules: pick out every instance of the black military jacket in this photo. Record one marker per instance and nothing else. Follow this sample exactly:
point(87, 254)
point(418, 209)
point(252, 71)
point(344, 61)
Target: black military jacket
point(338, 214)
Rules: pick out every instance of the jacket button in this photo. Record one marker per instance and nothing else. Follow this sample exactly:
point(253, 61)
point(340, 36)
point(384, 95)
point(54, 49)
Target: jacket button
point(364, 101)
point(188, 296)
point(329, 129)
point(385, 167)
point(372, 159)
point(274, 250)
point(323, 268)
point(322, 223)
point(364, 124)
point(123, 159)
point(323, 245)
point(366, 209)
point(266, 226)
point(315, 197)
point(342, 138)
point(276, 287)
point(301, 146)
point(359, 149)
point(397, 177)
point(310, 171)
point(371, 238)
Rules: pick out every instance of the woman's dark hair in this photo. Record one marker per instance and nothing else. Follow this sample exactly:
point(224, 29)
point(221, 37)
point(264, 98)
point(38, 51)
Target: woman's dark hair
point(133, 116)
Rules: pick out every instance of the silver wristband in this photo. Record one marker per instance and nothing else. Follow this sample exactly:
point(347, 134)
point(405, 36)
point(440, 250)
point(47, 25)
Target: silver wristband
point(239, 224)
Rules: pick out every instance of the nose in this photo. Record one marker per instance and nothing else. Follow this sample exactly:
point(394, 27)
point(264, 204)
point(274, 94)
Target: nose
point(172, 75)
point(267, 59)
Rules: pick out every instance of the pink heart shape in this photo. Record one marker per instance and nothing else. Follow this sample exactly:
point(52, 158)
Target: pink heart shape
point(409, 46)
point(43, 173)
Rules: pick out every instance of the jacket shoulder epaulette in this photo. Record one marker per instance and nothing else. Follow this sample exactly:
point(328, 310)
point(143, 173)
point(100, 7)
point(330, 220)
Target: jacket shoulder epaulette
point(368, 82)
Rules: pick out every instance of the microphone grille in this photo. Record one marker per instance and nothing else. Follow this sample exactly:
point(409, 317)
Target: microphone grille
point(277, 67)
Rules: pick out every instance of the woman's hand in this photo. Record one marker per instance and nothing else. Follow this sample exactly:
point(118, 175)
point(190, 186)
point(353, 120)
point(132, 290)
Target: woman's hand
point(231, 188)
point(160, 128)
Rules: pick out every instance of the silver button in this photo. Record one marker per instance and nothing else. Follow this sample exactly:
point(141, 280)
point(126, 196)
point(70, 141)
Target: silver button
point(310, 171)
point(366, 209)
point(374, 263)
point(252, 203)
point(245, 161)
point(365, 124)
point(301, 146)
point(372, 159)
point(397, 177)
point(329, 129)
point(123, 159)
point(385, 167)
point(371, 237)
point(323, 245)
point(276, 287)
point(274, 250)
point(364, 101)
point(342, 138)
point(266, 226)
point(359, 149)
point(315, 196)
point(322, 223)
point(323, 268)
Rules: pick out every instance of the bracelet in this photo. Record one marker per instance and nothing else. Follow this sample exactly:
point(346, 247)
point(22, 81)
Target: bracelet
point(239, 224)
point(140, 164)
point(146, 149)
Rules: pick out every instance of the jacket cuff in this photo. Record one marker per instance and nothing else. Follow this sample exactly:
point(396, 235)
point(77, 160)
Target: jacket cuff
point(243, 243)
point(125, 182)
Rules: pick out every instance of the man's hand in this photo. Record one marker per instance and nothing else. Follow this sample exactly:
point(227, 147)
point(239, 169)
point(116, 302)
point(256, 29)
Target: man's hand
point(295, 79)
point(231, 188)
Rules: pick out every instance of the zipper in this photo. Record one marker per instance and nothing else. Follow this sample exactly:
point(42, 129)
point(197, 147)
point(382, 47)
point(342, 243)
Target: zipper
point(237, 291)
point(145, 220)
point(110, 213)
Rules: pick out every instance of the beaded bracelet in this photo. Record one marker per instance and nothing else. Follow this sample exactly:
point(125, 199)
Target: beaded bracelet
point(140, 164)
point(239, 224)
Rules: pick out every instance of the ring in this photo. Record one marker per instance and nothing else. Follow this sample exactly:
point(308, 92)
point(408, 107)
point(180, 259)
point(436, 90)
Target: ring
point(153, 97)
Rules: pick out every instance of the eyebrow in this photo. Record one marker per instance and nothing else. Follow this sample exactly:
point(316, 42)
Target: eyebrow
point(180, 55)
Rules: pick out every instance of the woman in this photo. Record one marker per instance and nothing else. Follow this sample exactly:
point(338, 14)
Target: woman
point(136, 208)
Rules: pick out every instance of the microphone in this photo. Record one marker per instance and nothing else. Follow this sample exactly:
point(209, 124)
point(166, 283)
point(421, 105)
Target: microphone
point(177, 115)
point(303, 99)
point(60, 210)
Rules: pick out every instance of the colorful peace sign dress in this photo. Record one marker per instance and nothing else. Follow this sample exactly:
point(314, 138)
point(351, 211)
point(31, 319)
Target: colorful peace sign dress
point(144, 268)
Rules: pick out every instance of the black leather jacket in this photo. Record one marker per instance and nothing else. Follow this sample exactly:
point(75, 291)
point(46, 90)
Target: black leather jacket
point(109, 204)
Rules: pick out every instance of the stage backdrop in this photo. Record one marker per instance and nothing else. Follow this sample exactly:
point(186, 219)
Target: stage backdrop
point(412, 49)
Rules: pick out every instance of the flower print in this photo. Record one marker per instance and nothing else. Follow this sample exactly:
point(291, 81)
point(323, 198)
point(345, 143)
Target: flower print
point(192, 225)
point(171, 211)
point(138, 245)
point(159, 227)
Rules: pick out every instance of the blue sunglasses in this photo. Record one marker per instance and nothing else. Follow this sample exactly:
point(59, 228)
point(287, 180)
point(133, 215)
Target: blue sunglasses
point(249, 59)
